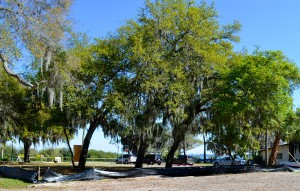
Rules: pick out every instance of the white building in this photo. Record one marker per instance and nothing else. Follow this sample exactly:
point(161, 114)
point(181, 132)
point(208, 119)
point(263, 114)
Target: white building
point(285, 152)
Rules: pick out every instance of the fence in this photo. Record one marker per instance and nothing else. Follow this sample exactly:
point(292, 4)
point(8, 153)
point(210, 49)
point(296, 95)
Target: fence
point(63, 159)
point(68, 159)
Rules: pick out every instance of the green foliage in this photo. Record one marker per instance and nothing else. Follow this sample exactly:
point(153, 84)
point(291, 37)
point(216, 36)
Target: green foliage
point(255, 94)
point(12, 96)
point(170, 51)
point(292, 131)
point(100, 154)
point(64, 152)
point(257, 159)
point(31, 26)
point(34, 32)
point(178, 43)
point(4, 159)
point(156, 82)
point(8, 151)
point(50, 152)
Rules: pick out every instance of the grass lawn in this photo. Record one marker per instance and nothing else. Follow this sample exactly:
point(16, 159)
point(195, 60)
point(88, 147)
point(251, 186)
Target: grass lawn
point(6, 183)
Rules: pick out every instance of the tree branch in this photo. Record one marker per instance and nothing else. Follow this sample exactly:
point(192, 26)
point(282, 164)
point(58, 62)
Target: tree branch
point(9, 11)
point(11, 73)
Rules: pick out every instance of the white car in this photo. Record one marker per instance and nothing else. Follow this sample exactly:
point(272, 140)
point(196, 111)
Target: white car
point(292, 163)
point(227, 160)
point(126, 159)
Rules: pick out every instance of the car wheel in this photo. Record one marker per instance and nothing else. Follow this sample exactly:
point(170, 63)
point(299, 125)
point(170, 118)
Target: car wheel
point(216, 164)
point(126, 162)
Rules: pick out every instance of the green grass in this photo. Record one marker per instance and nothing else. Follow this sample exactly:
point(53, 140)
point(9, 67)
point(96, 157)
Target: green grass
point(12, 184)
point(202, 164)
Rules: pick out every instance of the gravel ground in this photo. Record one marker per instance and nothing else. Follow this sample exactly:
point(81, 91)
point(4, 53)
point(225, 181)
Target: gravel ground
point(247, 181)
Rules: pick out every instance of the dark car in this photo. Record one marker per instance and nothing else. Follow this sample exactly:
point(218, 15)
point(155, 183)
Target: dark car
point(182, 160)
point(152, 159)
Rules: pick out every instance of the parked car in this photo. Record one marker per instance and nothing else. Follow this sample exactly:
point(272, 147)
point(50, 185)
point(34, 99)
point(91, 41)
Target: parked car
point(152, 159)
point(126, 159)
point(293, 163)
point(227, 160)
point(182, 160)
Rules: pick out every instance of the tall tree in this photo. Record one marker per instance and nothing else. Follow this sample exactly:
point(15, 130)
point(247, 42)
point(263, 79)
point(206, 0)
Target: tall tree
point(255, 94)
point(30, 33)
point(184, 46)
point(103, 66)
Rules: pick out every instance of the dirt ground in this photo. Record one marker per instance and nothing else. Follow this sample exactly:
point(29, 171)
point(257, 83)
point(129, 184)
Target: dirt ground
point(247, 181)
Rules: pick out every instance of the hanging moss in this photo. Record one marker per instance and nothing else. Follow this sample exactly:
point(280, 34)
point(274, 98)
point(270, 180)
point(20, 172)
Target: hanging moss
point(51, 96)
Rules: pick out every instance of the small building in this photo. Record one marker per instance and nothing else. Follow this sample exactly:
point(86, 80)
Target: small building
point(286, 152)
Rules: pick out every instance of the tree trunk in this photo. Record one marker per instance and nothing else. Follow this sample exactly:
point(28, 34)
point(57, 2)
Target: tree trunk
point(170, 156)
point(184, 147)
point(273, 155)
point(69, 146)
point(142, 150)
point(86, 144)
point(27, 145)
point(204, 150)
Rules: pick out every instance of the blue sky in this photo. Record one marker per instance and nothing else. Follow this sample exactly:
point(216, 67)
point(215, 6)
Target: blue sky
point(268, 24)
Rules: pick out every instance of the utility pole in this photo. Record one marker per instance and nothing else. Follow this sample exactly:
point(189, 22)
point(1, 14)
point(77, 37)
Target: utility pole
point(204, 145)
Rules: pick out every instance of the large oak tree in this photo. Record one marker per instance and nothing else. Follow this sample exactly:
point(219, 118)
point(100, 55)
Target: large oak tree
point(253, 96)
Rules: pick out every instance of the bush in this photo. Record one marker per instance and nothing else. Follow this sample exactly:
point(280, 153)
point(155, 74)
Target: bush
point(100, 154)
point(258, 159)
point(4, 160)
point(8, 151)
